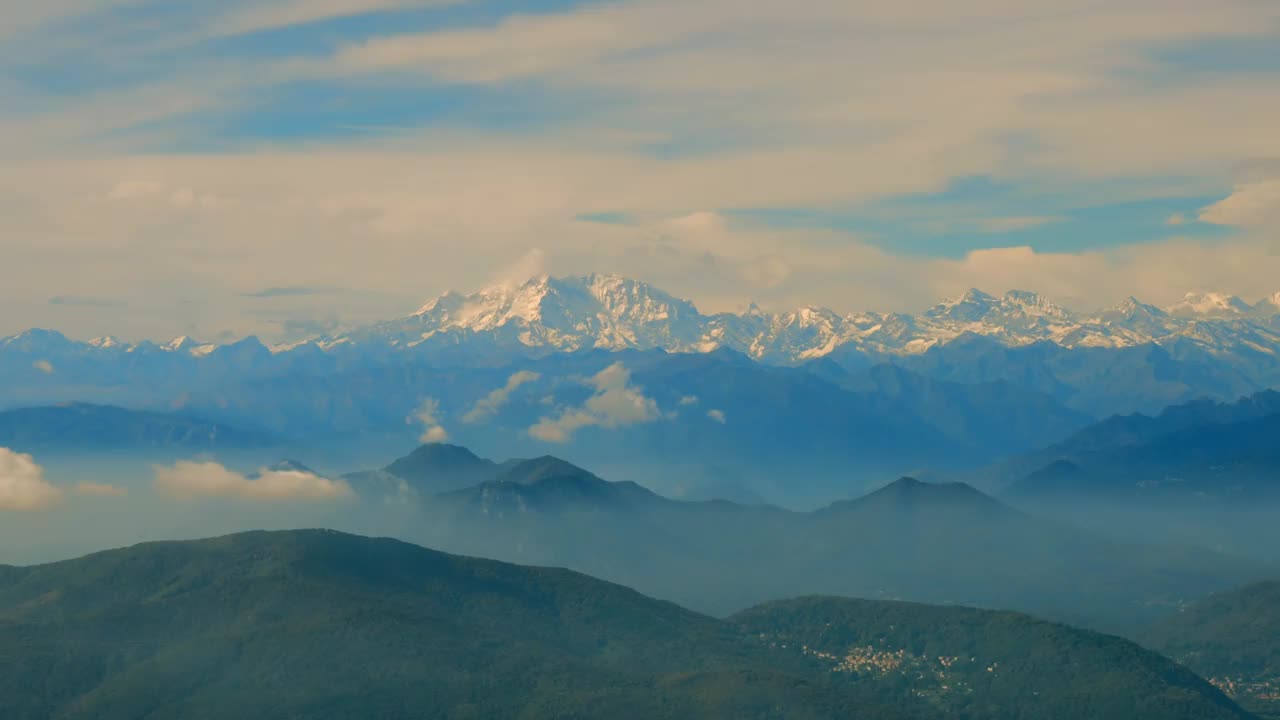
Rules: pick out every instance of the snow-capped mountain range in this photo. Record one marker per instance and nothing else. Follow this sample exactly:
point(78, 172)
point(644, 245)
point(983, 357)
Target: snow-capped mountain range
point(615, 313)
point(546, 315)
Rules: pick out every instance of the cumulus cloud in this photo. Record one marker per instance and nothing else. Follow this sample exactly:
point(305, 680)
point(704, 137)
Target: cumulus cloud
point(428, 413)
point(615, 403)
point(688, 400)
point(434, 435)
point(43, 366)
point(92, 489)
point(23, 487)
point(489, 405)
point(717, 415)
point(562, 428)
point(189, 480)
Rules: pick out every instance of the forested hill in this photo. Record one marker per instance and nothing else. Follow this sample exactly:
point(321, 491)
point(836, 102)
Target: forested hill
point(319, 624)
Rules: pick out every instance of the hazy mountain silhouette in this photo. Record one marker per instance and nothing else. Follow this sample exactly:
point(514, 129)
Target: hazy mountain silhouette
point(1223, 452)
point(80, 427)
point(909, 540)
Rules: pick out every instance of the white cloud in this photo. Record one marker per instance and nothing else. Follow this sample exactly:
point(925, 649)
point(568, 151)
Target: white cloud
point(717, 415)
point(1159, 273)
point(1027, 92)
point(688, 400)
point(23, 487)
point(434, 435)
point(1253, 204)
point(43, 366)
point(428, 413)
point(615, 403)
point(489, 405)
point(273, 15)
point(935, 88)
point(561, 429)
point(194, 480)
point(92, 489)
point(520, 46)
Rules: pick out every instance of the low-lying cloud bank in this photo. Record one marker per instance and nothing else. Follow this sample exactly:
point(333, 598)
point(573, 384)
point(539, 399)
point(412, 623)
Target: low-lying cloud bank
point(188, 480)
point(23, 487)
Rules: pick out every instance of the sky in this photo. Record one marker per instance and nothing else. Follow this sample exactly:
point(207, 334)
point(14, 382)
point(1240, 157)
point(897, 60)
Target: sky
point(288, 167)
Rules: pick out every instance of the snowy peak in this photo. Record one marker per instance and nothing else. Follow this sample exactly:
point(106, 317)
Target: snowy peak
point(446, 303)
point(976, 305)
point(1032, 304)
point(36, 340)
point(1132, 308)
point(181, 344)
point(1210, 305)
point(545, 315)
point(622, 299)
point(534, 299)
point(549, 314)
point(605, 311)
point(1015, 318)
point(489, 307)
point(1133, 322)
point(973, 306)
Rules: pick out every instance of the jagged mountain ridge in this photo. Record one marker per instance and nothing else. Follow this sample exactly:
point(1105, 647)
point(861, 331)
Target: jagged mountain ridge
point(548, 314)
point(612, 312)
point(1189, 449)
point(934, 542)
